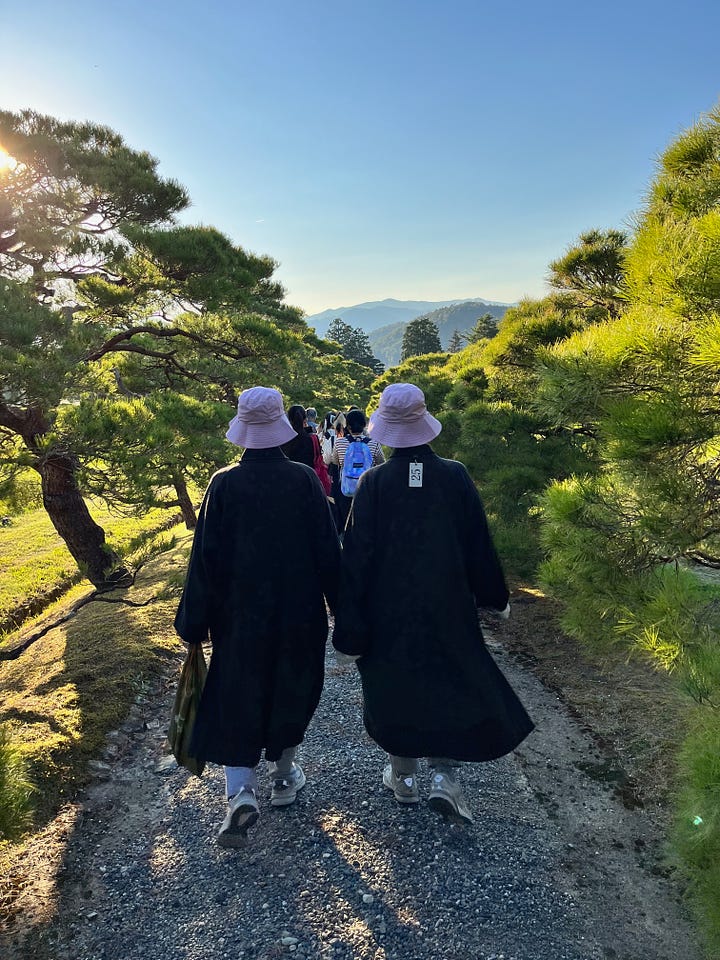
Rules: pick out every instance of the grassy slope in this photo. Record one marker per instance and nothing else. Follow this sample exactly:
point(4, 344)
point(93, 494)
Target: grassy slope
point(64, 694)
point(35, 561)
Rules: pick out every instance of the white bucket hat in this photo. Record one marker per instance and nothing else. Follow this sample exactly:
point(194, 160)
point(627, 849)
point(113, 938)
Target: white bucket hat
point(402, 419)
point(260, 422)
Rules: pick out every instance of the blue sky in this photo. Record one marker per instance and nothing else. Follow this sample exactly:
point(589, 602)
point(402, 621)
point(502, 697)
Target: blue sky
point(406, 148)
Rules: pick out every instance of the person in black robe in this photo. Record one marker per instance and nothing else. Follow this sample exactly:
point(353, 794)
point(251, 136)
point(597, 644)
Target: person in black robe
point(265, 558)
point(418, 561)
point(299, 448)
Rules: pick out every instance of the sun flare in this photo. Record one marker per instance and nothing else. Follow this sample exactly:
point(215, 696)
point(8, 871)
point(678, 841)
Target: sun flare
point(6, 161)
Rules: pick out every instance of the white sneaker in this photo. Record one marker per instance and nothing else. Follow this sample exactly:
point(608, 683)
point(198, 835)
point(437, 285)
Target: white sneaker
point(446, 798)
point(242, 814)
point(286, 789)
point(404, 787)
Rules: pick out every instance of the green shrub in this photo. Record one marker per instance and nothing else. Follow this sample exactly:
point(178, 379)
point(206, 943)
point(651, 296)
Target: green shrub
point(662, 609)
point(427, 372)
point(517, 546)
point(697, 828)
point(511, 460)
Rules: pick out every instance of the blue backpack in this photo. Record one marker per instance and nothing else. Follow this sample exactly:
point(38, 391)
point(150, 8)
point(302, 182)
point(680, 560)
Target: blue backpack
point(358, 457)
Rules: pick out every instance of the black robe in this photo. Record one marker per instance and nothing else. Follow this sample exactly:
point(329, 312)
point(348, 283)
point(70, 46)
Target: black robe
point(417, 562)
point(300, 449)
point(264, 556)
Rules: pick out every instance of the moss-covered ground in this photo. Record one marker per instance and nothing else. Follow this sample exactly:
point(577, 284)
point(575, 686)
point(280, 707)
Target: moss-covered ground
point(60, 698)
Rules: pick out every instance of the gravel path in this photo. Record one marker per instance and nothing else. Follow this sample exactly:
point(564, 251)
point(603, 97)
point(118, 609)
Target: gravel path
point(556, 866)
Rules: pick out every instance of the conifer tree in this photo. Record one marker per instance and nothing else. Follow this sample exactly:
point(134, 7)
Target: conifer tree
point(641, 383)
point(104, 295)
point(456, 342)
point(592, 271)
point(421, 336)
point(355, 344)
point(485, 328)
point(64, 199)
point(625, 541)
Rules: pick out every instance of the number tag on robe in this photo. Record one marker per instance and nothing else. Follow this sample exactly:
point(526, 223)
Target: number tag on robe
point(416, 475)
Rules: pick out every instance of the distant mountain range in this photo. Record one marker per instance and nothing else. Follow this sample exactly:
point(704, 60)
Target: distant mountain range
point(386, 342)
point(382, 313)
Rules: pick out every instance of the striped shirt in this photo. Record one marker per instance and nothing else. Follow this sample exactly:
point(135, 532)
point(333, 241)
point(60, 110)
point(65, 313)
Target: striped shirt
point(342, 443)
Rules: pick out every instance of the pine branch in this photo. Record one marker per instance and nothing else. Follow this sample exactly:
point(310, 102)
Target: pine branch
point(121, 342)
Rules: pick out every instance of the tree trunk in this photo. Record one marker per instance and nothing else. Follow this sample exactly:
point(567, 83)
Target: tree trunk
point(186, 507)
point(71, 518)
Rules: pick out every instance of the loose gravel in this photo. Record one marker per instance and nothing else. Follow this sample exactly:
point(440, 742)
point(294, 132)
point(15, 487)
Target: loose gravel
point(556, 867)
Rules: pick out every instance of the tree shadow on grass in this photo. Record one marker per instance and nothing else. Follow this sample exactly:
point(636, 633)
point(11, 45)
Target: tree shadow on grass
point(61, 698)
point(18, 715)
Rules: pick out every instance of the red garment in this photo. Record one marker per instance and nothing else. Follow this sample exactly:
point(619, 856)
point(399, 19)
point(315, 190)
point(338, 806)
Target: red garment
point(319, 466)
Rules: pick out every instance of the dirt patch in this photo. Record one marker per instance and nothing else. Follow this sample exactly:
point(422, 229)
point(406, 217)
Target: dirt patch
point(636, 714)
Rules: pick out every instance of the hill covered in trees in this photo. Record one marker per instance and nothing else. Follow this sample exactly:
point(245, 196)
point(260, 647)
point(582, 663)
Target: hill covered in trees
point(386, 343)
point(382, 313)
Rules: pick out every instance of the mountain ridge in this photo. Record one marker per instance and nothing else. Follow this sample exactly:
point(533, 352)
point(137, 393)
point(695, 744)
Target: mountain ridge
point(386, 342)
point(374, 314)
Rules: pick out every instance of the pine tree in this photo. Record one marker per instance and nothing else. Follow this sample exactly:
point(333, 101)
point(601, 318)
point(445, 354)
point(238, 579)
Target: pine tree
point(339, 331)
point(355, 344)
point(642, 386)
point(63, 202)
point(456, 342)
point(484, 329)
point(104, 299)
point(592, 271)
point(421, 336)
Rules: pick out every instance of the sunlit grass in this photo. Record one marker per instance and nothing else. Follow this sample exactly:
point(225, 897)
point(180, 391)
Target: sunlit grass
point(15, 788)
point(35, 562)
point(61, 697)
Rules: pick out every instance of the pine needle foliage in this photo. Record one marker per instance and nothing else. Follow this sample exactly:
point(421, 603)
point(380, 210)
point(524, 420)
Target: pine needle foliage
point(126, 337)
point(626, 543)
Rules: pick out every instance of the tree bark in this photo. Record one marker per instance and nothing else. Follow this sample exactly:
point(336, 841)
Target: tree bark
point(71, 518)
point(186, 506)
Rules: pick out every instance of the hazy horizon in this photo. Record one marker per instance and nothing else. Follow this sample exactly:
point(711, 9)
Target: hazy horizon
point(380, 300)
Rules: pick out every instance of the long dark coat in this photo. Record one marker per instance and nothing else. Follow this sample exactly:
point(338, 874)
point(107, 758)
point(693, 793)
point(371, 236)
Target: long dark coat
point(417, 562)
point(300, 449)
point(265, 555)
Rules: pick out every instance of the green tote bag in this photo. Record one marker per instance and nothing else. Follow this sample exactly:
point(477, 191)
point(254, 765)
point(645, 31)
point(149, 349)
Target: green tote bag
point(185, 708)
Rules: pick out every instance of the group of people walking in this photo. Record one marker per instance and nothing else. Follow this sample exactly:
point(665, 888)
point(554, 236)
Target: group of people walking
point(324, 446)
point(416, 562)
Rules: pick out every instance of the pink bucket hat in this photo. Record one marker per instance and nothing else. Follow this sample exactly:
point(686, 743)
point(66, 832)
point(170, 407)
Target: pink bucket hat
point(260, 422)
point(402, 419)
